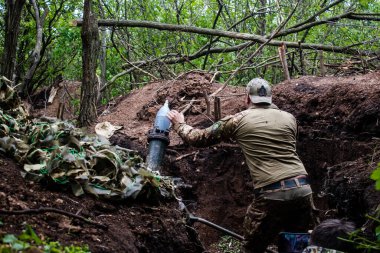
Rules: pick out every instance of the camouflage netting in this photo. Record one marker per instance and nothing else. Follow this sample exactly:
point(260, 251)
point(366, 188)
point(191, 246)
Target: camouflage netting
point(55, 150)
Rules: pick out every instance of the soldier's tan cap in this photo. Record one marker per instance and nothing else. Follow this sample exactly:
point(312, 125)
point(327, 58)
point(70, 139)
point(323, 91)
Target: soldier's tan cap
point(259, 91)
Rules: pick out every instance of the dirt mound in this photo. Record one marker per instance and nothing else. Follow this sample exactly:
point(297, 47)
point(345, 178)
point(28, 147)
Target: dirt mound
point(338, 122)
point(338, 135)
point(136, 111)
point(116, 227)
point(342, 105)
point(338, 138)
point(67, 97)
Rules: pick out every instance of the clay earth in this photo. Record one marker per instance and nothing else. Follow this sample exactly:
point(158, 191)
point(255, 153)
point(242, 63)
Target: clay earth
point(338, 141)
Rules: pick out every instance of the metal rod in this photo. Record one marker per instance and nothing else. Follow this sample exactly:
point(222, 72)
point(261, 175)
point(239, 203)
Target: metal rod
point(213, 225)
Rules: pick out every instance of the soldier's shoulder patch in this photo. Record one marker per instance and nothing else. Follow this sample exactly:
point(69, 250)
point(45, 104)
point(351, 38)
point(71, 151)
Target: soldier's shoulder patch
point(216, 126)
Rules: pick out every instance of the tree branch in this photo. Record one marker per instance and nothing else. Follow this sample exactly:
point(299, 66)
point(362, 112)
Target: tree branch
point(347, 15)
point(228, 34)
point(257, 50)
point(52, 210)
point(363, 16)
point(312, 18)
point(309, 25)
point(181, 59)
point(213, 27)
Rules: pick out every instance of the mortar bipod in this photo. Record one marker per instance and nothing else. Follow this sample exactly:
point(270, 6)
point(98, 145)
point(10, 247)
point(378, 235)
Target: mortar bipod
point(191, 219)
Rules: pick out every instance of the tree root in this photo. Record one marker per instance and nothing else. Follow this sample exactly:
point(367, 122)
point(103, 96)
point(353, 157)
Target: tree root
point(53, 210)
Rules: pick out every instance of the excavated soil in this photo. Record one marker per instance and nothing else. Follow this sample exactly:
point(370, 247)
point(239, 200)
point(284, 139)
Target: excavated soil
point(338, 141)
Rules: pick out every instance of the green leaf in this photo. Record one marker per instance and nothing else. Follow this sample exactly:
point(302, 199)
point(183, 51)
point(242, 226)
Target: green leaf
point(33, 235)
point(9, 238)
point(19, 245)
point(376, 173)
point(376, 176)
point(377, 185)
point(377, 232)
point(364, 3)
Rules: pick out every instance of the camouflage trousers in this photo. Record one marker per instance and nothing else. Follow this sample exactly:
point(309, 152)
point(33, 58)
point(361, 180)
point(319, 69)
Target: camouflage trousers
point(266, 217)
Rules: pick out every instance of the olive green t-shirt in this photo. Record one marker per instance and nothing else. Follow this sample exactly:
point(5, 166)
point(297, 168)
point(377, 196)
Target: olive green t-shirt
point(266, 135)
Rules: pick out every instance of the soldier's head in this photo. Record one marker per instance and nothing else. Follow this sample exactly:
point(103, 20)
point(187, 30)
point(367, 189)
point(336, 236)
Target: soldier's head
point(327, 235)
point(259, 91)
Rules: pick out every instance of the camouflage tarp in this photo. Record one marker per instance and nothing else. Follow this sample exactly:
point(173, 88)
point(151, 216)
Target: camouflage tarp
point(51, 149)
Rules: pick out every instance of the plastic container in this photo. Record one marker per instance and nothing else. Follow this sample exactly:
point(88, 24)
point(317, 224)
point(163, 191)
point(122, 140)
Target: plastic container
point(162, 121)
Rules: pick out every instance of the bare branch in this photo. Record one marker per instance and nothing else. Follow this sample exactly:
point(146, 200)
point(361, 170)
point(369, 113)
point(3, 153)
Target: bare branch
point(188, 106)
point(257, 50)
point(364, 16)
point(229, 34)
point(113, 79)
point(52, 210)
point(6, 80)
point(312, 24)
point(213, 27)
point(312, 18)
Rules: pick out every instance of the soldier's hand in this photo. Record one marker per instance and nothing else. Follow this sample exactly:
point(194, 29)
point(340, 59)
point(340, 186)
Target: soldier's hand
point(176, 117)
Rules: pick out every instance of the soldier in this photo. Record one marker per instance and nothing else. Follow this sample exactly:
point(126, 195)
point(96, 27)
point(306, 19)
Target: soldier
point(267, 137)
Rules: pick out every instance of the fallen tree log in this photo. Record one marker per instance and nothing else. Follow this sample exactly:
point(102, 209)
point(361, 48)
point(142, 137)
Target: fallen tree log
point(227, 34)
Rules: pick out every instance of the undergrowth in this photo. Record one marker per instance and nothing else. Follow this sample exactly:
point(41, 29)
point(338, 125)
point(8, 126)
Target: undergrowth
point(228, 244)
point(360, 241)
point(29, 241)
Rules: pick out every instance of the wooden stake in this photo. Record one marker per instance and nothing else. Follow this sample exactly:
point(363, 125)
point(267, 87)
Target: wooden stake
point(282, 54)
point(302, 60)
point(321, 64)
point(53, 93)
point(207, 103)
point(217, 111)
point(61, 109)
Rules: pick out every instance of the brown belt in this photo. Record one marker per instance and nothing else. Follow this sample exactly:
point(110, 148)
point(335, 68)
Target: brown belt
point(284, 184)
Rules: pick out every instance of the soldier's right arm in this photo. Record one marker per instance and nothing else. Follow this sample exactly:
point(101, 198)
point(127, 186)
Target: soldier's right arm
point(220, 130)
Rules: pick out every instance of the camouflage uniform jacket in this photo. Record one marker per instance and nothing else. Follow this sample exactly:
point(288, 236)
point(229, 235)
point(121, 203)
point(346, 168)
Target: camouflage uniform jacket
point(266, 135)
point(316, 249)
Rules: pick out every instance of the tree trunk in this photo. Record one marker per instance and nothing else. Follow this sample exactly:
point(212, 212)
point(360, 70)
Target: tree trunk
point(102, 61)
point(90, 44)
point(262, 19)
point(27, 86)
point(322, 68)
point(12, 28)
point(284, 62)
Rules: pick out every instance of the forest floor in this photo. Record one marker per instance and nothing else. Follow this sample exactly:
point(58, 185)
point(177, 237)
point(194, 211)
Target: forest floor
point(339, 137)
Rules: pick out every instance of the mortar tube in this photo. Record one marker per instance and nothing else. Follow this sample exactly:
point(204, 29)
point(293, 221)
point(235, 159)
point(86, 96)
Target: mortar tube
point(158, 141)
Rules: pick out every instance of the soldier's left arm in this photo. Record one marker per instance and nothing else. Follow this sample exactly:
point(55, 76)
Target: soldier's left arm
point(220, 130)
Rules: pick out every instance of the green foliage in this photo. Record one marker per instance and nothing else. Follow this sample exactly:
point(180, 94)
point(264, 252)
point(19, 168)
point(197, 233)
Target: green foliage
point(376, 176)
point(362, 242)
point(62, 42)
point(357, 237)
point(29, 241)
point(228, 244)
